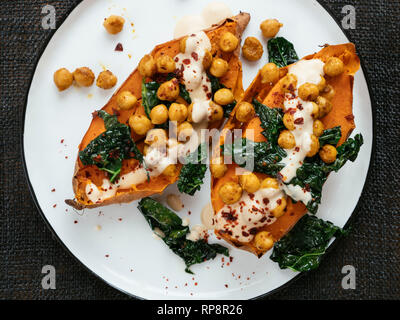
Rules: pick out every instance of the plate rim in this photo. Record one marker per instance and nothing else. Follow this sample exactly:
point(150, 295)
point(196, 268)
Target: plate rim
point(331, 247)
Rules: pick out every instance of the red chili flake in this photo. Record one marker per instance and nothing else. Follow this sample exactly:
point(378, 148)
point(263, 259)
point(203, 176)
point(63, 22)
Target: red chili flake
point(66, 157)
point(300, 106)
point(76, 221)
point(54, 205)
point(62, 141)
point(279, 201)
point(119, 219)
point(189, 213)
point(299, 121)
point(350, 117)
point(279, 176)
point(116, 112)
point(263, 219)
point(95, 114)
point(195, 283)
point(119, 47)
point(251, 196)
point(186, 61)
point(297, 149)
point(195, 56)
point(253, 231)
point(229, 216)
point(245, 234)
point(230, 259)
point(266, 201)
point(53, 190)
point(209, 95)
point(107, 255)
point(226, 286)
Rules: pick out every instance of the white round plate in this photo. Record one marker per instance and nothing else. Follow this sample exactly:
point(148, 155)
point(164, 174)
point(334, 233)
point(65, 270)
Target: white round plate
point(115, 242)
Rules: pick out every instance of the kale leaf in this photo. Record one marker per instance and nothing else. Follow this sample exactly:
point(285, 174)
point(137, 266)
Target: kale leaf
point(193, 171)
point(281, 52)
point(174, 234)
point(111, 147)
point(330, 136)
point(149, 95)
point(264, 155)
point(303, 247)
point(215, 86)
point(313, 173)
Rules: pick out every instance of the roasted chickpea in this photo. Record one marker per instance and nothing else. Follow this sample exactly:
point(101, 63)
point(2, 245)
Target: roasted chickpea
point(230, 192)
point(126, 100)
point(215, 113)
point(245, 111)
point(249, 182)
point(279, 210)
point(270, 27)
point(314, 147)
point(328, 153)
point(63, 79)
point(156, 138)
point(322, 84)
point(171, 171)
point(219, 67)
point(308, 92)
point(288, 121)
point(286, 140)
point(106, 80)
point(178, 112)
point(269, 73)
point(147, 66)
point(140, 124)
point(289, 83)
point(190, 110)
point(263, 241)
point(84, 77)
point(315, 111)
point(228, 42)
point(269, 183)
point(159, 114)
point(334, 67)
point(318, 128)
point(218, 168)
point(252, 49)
point(165, 64)
point(224, 96)
point(114, 24)
point(324, 105)
point(169, 90)
point(185, 130)
point(182, 44)
point(207, 60)
point(328, 92)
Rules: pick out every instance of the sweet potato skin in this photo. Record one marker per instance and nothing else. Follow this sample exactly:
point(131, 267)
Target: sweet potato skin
point(233, 79)
point(271, 96)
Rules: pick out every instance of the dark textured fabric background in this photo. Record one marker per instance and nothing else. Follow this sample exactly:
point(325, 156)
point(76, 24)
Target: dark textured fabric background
point(373, 247)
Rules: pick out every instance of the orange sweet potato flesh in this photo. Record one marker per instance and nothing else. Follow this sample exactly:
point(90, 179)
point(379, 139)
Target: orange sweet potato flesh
point(85, 174)
point(271, 96)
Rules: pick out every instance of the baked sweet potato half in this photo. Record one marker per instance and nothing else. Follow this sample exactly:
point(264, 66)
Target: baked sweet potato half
point(99, 178)
point(277, 110)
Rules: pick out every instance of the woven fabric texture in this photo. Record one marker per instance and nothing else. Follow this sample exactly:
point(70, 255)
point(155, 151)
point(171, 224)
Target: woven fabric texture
point(373, 247)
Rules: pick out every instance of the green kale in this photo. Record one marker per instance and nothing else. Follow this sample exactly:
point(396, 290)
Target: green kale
point(174, 234)
point(193, 171)
point(281, 52)
point(111, 147)
point(313, 173)
point(303, 247)
point(149, 95)
point(330, 136)
point(215, 86)
point(264, 155)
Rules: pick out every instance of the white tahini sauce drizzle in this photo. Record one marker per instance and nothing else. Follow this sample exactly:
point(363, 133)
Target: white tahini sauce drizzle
point(213, 13)
point(306, 71)
point(251, 212)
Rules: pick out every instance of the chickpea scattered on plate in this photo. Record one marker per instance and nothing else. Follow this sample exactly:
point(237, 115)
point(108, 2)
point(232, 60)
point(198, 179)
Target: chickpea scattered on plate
point(270, 27)
point(106, 80)
point(63, 79)
point(252, 49)
point(84, 77)
point(114, 24)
